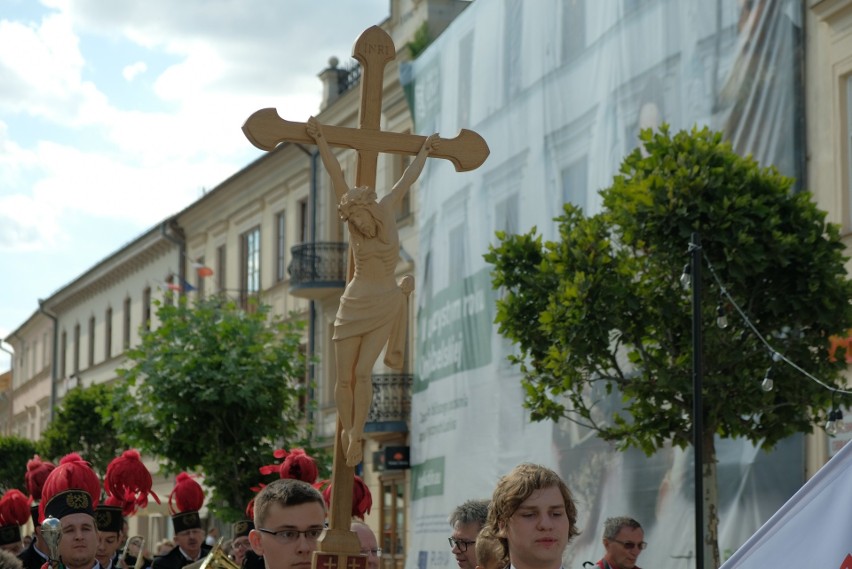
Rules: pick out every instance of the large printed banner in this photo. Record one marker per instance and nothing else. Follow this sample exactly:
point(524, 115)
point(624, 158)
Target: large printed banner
point(560, 89)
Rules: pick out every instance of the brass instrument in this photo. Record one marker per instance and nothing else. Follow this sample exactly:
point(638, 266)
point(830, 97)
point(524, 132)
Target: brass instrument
point(140, 559)
point(216, 559)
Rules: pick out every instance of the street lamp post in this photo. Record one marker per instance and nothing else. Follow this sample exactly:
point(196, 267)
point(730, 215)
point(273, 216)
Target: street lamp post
point(697, 405)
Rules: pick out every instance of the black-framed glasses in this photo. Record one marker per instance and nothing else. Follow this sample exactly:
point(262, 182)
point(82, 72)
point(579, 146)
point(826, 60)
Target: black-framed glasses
point(462, 544)
point(631, 544)
point(292, 535)
point(377, 552)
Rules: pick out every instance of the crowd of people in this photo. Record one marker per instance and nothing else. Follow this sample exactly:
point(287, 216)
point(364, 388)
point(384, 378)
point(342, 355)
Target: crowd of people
point(526, 524)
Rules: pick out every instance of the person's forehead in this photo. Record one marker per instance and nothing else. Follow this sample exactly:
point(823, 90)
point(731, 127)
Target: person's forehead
point(189, 532)
point(549, 497)
point(77, 520)
point(466, 531)
point(310, 514)
point(628, 533)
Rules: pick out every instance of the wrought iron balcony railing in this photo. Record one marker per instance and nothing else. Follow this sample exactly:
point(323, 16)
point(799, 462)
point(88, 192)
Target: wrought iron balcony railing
point(391, 407)
point(317, 267)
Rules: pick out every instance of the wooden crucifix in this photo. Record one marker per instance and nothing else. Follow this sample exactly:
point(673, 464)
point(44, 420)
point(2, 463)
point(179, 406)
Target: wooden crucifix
point(372, 301)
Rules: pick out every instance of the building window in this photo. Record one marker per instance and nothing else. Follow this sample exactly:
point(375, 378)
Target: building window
point(403, 208)
point(91, 344)
point(108, 334)
point(465, 79)
point(392, 522)
point(574, 179)
point(126, 329)
point(458, 267)
point(76, 354)
point(573, 29)
point(146, 308)
point(199, 279)
point(512, 51)
point(303, 221)
point(63, 358)
point(249, 265)
point(280, 246)
point(221, 258)
point(45, 360)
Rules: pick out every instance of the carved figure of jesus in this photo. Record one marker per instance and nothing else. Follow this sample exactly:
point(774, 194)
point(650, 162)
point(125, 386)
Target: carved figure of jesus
point(373, 310)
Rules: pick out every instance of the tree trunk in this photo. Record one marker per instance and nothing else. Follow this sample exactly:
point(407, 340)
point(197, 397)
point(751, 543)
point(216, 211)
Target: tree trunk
point(710, 487)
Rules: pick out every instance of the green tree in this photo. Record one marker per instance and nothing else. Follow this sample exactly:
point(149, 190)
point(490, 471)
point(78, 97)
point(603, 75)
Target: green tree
point(16, 451)
point(601, 311)
point(215, 389)
point(80, 426)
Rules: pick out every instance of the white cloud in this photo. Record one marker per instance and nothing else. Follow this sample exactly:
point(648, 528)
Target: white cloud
point(130, 72)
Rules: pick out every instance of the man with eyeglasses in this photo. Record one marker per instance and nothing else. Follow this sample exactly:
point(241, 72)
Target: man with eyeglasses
point(369, 545)
point(289, 516)
point(623, 541)
point(467, 520)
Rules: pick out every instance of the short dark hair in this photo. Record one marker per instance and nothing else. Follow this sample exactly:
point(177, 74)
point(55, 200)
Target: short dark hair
point(470, 512)
point(517, 486)
point(284, 492)
point(613, 525)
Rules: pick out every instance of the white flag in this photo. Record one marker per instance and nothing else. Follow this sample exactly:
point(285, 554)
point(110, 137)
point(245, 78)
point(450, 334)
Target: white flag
point(812, 530)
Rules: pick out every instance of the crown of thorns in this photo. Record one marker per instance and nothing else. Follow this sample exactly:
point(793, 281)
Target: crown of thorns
point(362, 196)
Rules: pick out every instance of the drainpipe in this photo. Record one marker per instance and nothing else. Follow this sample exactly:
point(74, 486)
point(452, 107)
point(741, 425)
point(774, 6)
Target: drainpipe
point(312, 309)
point(53, 356)
point(180, 241)
point(11, 387)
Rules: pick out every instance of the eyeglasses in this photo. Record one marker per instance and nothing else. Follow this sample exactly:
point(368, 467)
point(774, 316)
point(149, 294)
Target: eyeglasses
point(292, 535)
point(462, 544)
point(631, 544)
point(374, 552)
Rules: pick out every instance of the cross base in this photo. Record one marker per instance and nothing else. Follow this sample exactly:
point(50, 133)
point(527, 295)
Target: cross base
point(339, 559)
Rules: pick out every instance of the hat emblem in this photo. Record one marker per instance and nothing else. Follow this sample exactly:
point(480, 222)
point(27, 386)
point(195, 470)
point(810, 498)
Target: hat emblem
point(77, 500)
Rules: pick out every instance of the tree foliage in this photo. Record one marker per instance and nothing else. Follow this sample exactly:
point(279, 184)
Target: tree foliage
point(601, 313)
point(16, 451)
point(602, 309)
point(215, 389)
point(82, 425)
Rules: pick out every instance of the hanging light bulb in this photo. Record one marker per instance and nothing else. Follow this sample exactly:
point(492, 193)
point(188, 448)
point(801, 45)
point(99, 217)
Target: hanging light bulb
point(835, 421)
point(831, 424)
point(721, 317)
point(767, 384)
point(686, 277)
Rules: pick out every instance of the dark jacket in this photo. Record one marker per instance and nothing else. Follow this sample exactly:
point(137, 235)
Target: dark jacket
point(174, 559)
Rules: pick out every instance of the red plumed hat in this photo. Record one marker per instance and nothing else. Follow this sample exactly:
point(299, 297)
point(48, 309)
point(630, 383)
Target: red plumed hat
point(37, 472)
point(127, 483)
point(14, 508)
point(73, 476)
point(14, 512)
point(185, 501)
point(362, 498)
point(297, 465)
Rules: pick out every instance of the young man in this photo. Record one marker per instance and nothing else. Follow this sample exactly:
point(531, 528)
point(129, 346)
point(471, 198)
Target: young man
point(110, 523)
point(369, 544)
point(534, 515)
point(623, 540)
point(467, 520)
point(70, 495)
point(289, 516)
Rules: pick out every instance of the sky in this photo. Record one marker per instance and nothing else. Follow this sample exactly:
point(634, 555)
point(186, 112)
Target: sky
point(116, 114)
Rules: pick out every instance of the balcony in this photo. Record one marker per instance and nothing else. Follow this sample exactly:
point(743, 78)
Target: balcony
point(317, 270)
point(391, 408)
